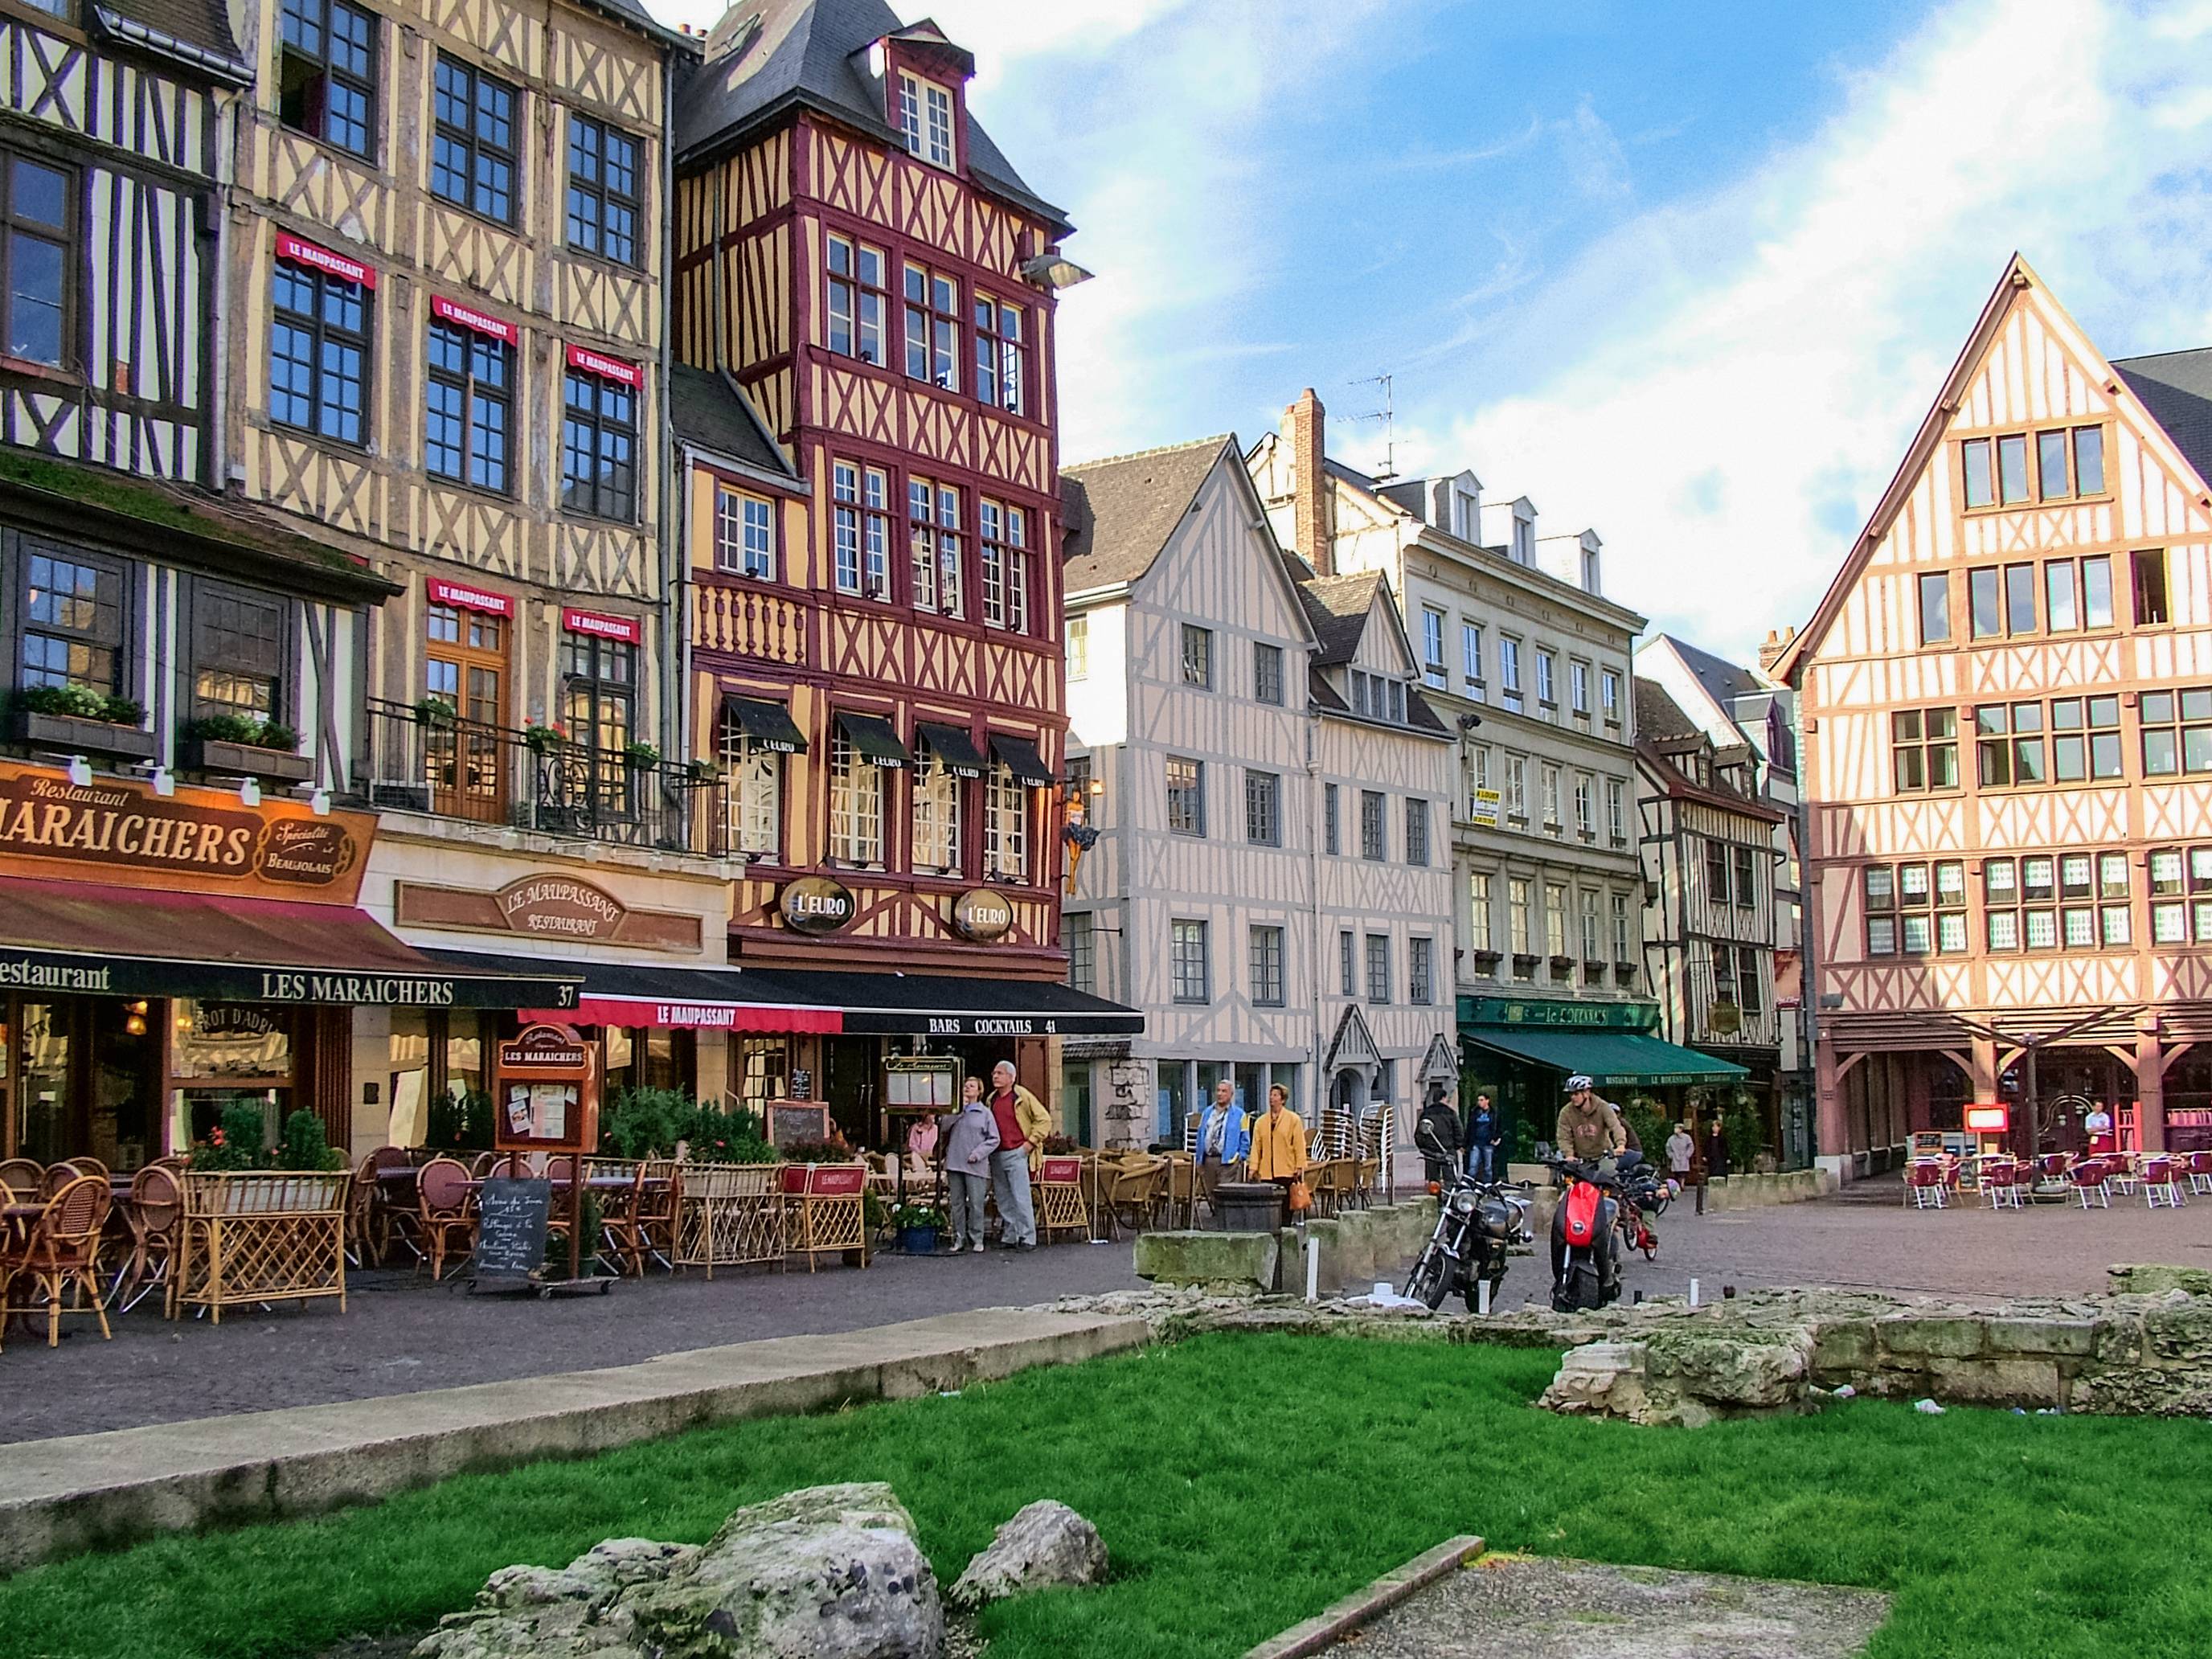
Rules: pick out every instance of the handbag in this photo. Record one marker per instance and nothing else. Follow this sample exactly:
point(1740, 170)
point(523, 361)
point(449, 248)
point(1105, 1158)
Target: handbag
point(1300, 1197)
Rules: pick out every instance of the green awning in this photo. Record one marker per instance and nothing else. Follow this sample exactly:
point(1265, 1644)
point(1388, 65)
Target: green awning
point(1623, 1059)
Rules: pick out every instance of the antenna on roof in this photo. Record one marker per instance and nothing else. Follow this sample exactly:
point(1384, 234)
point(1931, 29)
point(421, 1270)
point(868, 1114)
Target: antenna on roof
point(1389, 470)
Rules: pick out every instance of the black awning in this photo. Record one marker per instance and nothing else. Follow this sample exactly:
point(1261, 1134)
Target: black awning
point(872, 736)
point(768, 724)
point(1019, 756)
point(954, 747)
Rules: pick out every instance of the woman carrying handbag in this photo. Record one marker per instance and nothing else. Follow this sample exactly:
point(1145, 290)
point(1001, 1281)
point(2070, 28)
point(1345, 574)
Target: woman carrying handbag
point(1278, 1150)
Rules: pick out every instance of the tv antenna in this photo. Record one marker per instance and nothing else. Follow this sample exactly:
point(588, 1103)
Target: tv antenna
point(1389, 470)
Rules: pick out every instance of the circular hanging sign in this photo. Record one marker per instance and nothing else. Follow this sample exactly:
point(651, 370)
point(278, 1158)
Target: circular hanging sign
point(816, 904)
point(982, 915)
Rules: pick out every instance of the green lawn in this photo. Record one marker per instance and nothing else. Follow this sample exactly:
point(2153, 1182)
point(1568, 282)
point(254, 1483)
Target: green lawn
point(1243, 1482)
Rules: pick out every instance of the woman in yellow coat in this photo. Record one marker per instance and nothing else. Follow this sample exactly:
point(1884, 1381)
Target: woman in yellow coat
point(1278, 1152)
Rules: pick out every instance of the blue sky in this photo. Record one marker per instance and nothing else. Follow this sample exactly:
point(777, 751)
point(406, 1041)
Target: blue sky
point(1688, 273)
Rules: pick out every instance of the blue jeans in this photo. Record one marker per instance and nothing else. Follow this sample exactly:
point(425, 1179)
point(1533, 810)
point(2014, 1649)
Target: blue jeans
point(1482, 1161)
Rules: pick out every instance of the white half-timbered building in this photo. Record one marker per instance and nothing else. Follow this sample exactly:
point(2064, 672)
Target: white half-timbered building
point(1271, 886)
point(2007, 704)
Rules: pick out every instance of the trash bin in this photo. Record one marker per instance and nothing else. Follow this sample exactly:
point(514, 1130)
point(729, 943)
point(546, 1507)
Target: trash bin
point(1249, 1206)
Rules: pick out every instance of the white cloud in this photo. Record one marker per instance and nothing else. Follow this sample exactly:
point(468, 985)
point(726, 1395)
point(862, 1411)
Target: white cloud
point(1723, 387)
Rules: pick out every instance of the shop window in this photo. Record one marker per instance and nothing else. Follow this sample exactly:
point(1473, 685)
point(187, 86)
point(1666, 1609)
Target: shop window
point(754, 773)
point(222, 1053)
point(2177, 732)
point(856, 805)
point(1005, 826)
point(1924, 749)
point(238, 652)
point(764, 1069)
point(73, 621)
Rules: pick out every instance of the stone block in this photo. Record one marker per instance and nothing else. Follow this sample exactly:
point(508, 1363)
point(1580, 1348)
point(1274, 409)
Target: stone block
point(1329, 1275)
point(1933, 1339)
point(2154, 1278)
point(2120, 1341)
point(2014, 1382)
point(2069, 1338)
point(1208, 1258)
point(1844, 1344)
point(2180, 1336)
point(1356, 1240)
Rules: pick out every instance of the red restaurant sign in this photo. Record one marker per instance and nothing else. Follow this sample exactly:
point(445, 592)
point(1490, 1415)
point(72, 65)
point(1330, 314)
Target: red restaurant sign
point(469, 599)
point(627, 629)
point(1988, 1119)
point(300, 252)
point(607, 368)
point(441, 307)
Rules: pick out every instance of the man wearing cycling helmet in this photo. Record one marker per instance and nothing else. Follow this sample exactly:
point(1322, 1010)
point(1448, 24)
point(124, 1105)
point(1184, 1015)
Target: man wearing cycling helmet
point(1588, 1126)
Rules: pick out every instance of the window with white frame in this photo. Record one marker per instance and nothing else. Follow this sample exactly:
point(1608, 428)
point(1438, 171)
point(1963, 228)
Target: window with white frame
point(1470, 660)
point(1005, 826)
point(1478, 780)
point(2181, 896)
point(1547, 683)
point(933, 328)
point(856, 804)
point(1591, 944)
point(926, 117)
point(1509, 671)
point(1005, 566)
point(937, 799)
point(1079, 648)
point(1585, 806)
point(858, 301)
point(745, 535)
point(861, 529)
point(1516, 788)
point(1420, 971)
point(1555, 918)
point(933, 524)
point(1608, 695)
point(1478, 900)
point(1578, 688)
point(1186, 961)
point(1616, 812)
point(1432, 649)
point(754, 793)
point(1520, 927)
point(1919, 910)
point(1621, 927)
point(1552, 818)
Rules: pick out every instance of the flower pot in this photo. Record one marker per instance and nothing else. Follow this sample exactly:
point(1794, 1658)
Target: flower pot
point(73, 734)
point(245, 760)
point(918, 1241)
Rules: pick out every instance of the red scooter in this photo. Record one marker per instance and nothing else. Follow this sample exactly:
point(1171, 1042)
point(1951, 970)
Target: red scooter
point(1585, 1265)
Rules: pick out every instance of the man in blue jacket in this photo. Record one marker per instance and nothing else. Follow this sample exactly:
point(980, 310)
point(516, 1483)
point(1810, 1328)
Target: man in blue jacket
point(1222, 1139)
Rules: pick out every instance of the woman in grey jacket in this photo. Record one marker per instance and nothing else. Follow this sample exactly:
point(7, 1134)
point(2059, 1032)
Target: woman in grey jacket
point(971, 1135)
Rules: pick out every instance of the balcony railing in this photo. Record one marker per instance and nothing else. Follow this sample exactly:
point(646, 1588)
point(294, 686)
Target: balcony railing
point(450, 766)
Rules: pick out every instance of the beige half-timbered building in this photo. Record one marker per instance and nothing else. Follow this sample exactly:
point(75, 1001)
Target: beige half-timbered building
point(1271, 887)
point(2007, 704)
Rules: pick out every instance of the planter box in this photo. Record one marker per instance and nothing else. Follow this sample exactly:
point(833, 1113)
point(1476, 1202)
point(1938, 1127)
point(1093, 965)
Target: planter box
point(245, 760)
point(73, 735)
point(918, 1241)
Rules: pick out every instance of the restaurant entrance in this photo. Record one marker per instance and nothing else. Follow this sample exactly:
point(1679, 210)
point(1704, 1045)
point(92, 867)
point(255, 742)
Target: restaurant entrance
point(81, 1074)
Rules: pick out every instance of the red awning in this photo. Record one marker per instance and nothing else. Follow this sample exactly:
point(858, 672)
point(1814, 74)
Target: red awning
point(80, 937)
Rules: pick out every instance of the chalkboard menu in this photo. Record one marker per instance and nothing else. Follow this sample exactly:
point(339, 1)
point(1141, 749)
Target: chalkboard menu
point(793, 1120)
point(511, 1218)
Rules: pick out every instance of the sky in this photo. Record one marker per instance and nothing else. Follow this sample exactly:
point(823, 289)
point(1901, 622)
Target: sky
point(1688, 272)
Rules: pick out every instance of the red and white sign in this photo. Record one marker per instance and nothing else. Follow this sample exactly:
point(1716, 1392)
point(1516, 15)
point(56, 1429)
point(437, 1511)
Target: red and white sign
point(600, 626)
point(702, 1016)
point(441, 307)
point(290, 247)
point(469, 599)
point(1988, 1119)
point(607, 368)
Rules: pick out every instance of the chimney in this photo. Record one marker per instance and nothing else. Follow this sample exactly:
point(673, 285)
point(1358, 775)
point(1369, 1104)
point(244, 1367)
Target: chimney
point(1306, 425)
point(1770, 652)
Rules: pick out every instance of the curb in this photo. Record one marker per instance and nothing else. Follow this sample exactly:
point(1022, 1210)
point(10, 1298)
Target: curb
point(1330, 1626)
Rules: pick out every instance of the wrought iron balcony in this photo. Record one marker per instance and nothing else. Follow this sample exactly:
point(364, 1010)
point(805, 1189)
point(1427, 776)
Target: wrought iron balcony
point(430, 761)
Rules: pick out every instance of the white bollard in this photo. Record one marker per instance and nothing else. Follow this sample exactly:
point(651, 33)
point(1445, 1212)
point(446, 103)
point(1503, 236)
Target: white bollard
point(1313, 1270)
point(1482, 1297)
point(1693, 1292)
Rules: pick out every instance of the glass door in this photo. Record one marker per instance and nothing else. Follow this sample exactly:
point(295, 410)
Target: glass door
point(464, 666)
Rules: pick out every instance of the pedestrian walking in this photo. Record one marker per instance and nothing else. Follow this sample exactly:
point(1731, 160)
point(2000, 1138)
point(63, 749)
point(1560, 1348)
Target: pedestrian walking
point(1278, 1152)
point(1023, 1124)
point(1222, 1139)
point(970, 1136)
point(1438, 1128)
point(1486, 1132)
point(1717, 1156)
point(1682, 1156)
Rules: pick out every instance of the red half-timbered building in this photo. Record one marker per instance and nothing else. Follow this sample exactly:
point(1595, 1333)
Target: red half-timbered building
point(876, 652)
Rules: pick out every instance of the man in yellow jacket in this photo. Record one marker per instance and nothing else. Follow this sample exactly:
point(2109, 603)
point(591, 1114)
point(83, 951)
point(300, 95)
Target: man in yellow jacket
point(1022, 1123)
point(1278, 1143)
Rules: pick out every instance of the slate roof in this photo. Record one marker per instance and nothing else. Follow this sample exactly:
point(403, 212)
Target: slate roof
point(812, 54)
point(202, 27)
point(1658, 716)
point(1338, 607)
point(2176, 387)
point(1724, 681)
point(708, 409)
point(1661, 725)
point(1120, 511)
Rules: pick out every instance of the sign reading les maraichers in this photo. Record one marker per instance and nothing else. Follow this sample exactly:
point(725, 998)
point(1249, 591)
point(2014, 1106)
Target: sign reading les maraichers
point(113, 829)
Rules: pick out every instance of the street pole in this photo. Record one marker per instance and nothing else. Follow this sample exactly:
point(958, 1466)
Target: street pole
point(2032, 1101)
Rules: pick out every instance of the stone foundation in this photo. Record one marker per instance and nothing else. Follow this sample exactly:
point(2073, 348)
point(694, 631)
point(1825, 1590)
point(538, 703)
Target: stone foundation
point(1357, 1248)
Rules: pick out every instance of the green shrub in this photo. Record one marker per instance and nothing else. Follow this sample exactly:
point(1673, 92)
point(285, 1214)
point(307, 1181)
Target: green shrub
point(81, 702)
point(305, 1146)
point(243, 728)
point(235, 1142)
point(460, 1123)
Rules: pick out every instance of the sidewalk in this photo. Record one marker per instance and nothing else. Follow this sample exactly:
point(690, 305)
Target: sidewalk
point(58, 1497)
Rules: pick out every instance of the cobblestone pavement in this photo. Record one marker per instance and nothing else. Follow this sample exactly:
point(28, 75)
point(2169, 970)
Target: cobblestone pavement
point(402, 1334)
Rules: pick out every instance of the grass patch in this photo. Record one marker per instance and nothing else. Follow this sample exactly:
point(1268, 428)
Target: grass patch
point(1243, 1484)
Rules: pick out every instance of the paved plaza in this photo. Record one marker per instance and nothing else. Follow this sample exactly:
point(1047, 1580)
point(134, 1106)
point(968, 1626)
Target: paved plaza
point(401, 1335)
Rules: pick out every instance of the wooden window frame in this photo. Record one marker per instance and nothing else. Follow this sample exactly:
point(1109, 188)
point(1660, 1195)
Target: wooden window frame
point(321, 331)
point(1417, 838)
point(1923, 747)
point(106, 569)
point(1268, 678)
point(854, 825)
point(1190, 977)
point(918, 127)
point(205, 654)
point(1420, 971)
point(2183, 715)
point(471, 387)
point(1374, 826)
point(1196, 655)
point(592, 200)
point(740, 752)
point(360, 83)
point(1263, 808)
point(1377, 949)
point(938, 808)
point(601, 418)
point(469, 147)
point(67, 236)
point(1190, 821)
point(1269, 980)
point(2089, 732)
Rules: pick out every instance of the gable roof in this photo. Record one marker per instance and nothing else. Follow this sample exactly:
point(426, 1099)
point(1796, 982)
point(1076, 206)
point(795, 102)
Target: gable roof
point(2176, 387)
point(1662, 730)
point(2017, 275)
point(1724, 681)
point(812, 54)
point(708, 409)
point(1118, 512)
point(195, 33)
point(1338, 607)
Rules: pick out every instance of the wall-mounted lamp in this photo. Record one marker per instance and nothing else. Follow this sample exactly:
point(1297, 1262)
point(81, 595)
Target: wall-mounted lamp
point(1468, 721)
point(249, 792)
point(319, 803)
point(80, 771)
point(1053, 271)
point(165, 782)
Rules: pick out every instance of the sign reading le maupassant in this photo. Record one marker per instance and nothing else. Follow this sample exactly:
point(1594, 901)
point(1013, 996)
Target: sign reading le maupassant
point(118, 830)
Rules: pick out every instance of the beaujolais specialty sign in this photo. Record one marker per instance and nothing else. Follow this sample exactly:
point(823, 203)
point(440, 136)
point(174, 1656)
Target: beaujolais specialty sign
point(816, 904)
point(120, 831)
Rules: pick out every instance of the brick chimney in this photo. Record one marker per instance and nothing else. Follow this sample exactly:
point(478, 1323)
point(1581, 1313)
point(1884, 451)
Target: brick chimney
point(1776, 643)
point(1305, 427)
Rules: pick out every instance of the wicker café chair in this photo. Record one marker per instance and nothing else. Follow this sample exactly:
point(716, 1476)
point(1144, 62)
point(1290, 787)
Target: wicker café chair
point(20, 1178)
point(62, 1254)
point(155, 1212)
point(444, 1211)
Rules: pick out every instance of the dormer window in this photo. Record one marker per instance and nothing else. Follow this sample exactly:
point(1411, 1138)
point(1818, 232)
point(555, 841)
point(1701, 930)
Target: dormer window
point(926, 116)
point(1524, 542)
point(1466, 513)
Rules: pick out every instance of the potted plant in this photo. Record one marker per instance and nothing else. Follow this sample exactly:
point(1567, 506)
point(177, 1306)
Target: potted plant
point(917, 1226)
point(702, 772)
point(241, 746)
point(438, 714)
point(77, 719)
point(540, 737)
point(641, 757)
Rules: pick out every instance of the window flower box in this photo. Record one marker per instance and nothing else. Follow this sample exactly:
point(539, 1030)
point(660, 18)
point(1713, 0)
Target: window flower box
point(76, 734)
point(245, 760)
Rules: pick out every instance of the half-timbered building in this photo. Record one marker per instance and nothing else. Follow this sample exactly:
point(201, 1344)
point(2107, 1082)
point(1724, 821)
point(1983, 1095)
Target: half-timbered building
point(1270, 887)
point(879, 668)
point(2007, 704)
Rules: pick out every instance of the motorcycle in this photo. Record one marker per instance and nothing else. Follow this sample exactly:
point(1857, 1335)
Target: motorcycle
point(1643, 1192)
point(1585, 1256)
point(1477, 1224)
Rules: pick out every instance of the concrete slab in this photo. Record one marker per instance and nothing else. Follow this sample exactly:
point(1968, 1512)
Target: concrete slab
point(61, 1496)
point(1508, 1607)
